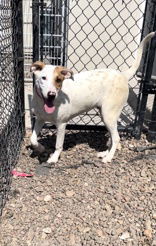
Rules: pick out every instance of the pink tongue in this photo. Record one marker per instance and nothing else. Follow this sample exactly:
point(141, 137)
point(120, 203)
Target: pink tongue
point(49, 110)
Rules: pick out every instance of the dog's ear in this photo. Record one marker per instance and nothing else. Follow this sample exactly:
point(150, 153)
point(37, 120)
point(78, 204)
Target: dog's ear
point(67, 73)
point(61, 73)
point(37, 66)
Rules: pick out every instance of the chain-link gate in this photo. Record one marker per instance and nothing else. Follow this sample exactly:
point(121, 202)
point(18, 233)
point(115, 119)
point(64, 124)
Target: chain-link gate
point(11, 91)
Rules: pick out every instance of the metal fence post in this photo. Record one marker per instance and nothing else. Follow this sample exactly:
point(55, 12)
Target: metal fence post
point(152, 125)
point(146, 86)
point(18, 56)
point(65, 34)
point(35, 22)
point(146, 89)
point(41, 28)
point(35, 35)
point(20, 59)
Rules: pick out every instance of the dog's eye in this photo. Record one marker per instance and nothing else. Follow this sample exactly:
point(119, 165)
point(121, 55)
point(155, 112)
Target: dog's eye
point(43, 77)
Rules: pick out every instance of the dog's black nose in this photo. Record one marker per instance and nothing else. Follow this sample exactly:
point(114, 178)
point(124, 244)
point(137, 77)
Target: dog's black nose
point(51, 94)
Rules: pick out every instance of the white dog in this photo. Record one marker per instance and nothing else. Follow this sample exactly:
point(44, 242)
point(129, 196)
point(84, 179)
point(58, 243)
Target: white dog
point(57, 99)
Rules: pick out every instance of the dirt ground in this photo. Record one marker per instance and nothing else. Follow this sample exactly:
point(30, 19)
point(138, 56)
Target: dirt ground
point(81, 201)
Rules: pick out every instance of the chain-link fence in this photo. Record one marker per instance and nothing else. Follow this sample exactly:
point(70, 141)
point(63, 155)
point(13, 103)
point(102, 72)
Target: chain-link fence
point(85, 35)
point(11, 91)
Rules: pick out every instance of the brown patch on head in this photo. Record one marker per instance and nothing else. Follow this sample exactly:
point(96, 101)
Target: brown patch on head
point(60, 74)
point(37, 66)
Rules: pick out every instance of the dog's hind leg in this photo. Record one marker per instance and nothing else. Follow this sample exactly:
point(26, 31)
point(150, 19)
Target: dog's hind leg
point(59, 143)
point(110, 121)
point(37, 128)
point(114, 142)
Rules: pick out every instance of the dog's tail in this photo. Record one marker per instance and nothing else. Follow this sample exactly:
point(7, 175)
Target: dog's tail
point(132, 70)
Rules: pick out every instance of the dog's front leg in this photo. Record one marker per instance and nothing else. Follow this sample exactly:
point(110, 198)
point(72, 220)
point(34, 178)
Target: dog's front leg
point(37, 128)
point(59, 143)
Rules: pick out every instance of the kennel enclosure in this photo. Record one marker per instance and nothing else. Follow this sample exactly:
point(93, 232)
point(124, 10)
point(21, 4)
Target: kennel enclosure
point(82, 35)
point(85, 35)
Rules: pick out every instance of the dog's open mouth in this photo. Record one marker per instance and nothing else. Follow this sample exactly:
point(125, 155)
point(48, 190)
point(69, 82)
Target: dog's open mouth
point(49, 104)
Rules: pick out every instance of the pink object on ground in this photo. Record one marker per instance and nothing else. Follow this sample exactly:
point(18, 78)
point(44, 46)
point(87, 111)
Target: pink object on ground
point(20, 174)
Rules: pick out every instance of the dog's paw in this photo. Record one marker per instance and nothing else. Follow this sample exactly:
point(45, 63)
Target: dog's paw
point(107, 159)
point(52, 159)
point(102, 154)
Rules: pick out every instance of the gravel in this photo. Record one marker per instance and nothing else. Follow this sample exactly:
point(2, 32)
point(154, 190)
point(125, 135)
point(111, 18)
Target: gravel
point(80, 200)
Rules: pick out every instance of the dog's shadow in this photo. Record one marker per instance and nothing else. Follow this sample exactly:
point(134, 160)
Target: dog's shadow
point(95, 140)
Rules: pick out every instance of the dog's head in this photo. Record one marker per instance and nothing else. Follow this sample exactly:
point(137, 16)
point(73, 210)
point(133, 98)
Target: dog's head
point(48, 80)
